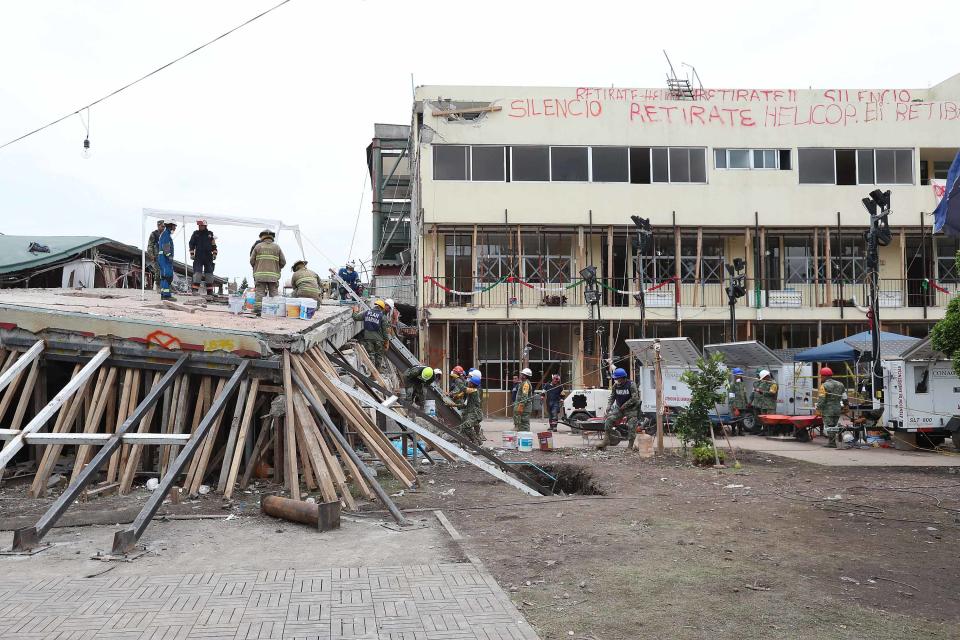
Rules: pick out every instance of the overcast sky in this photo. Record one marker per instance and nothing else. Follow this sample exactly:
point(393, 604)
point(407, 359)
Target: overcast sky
point(273, 120)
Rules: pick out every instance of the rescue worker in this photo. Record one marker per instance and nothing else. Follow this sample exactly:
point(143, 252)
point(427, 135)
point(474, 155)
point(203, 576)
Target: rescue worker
point(471, 411)
point(267, 260)
point(350, 276)
point(458, 382)
point(553, 393)
point(153, 251)
point(830, 400)
point(165, 260)
point(523, 402)
point(737, 399)
point(374, 337)
point(415, 379)
point(306, 283)
point(624, 401)
point(764, 398)
point(203, 252)
point(393, 317)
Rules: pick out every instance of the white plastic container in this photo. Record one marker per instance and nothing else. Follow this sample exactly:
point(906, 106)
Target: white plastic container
point(292, 308)
point(509, 439)
point(524, 441)
point(430, 408)
point(236, 303)
point(272, 306)
point(308, 306)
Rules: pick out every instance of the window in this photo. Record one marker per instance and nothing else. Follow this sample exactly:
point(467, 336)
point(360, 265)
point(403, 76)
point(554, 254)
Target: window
point(668, 164)
point(865, 173)
point(660, 164)
point(640, 165)
point(856, 166)
point(499, 356)
point(816, 166)
point(894, 166)
point(921, 378)
point(550, 349)
point(488, 164)
point(450, 162)
point(798, 260)
point(546, 257)
point(530, 164)
point(711, 259)
point(494, 257)
point(611, 164)
point(846, 166)
point(569, 164)
point(946, 263)
point(659, 264)
point(940, 169)
point(751, 158)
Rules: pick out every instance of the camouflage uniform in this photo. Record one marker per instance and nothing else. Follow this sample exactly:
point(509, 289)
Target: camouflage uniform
point(522, 405)
point(765, 396)
point(414, 383)
point(472, 414)
point(737, 402)
point(829, 404)
point(624, 401)
point(374, 334)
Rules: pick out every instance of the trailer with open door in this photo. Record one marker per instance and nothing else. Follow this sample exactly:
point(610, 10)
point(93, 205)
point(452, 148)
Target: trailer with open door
point(678, 355)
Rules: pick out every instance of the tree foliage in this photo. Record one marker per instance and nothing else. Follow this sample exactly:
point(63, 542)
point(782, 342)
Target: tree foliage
point(706, 384)
point(945, 336)
point(244, 285)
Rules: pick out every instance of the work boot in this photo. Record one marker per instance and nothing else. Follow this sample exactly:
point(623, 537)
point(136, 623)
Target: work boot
point(603, 444)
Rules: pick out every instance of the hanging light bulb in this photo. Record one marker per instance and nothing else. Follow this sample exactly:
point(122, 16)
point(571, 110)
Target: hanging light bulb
point(87, 152)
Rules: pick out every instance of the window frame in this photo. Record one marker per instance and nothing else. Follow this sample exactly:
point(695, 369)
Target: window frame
point(467, 158)
point(571, 146)
point(751, 156)
point(856, 156)
point(488, 146)
point(513, 164)
point(610, 146)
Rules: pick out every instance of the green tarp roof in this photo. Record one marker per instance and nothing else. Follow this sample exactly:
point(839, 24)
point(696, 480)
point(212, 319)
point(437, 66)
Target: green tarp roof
point(15, 255)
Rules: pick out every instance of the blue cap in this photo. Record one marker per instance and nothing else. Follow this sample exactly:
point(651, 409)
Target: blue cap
point(737, 371)
point(619, 373)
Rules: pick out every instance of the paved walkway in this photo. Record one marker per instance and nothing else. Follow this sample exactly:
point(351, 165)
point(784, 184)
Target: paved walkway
point(419, 602)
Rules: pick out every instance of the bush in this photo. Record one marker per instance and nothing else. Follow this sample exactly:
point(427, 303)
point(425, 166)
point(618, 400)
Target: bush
point(703, 456)
point(706, 384)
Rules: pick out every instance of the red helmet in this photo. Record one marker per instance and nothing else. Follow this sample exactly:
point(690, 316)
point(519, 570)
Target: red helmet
point(458, 370)
point(826, 372)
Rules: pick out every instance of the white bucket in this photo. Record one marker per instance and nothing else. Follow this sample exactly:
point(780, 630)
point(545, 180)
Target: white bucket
point(524, 441)
point(236, 303)
point(430, 408)
point(509, 439)
point(271, 306)
point(308, 306)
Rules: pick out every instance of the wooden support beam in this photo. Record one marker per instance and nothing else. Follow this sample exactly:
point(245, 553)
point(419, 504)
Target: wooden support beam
point(97, 406)
point(51, 454)
point(14, 366)
point(25, 394)
point(202, 459)
point(231, 478)
point(290, 431)
point(140, 439)
point(260, 447)
point(456, 112)
point(313, 451)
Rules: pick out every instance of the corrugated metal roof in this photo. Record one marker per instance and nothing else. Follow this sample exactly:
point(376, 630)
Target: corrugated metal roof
point(15, 252)
point(746, 353)
point(673, 351)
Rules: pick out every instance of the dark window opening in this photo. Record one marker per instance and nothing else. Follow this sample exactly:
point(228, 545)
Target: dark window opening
point(640, 165)
point(531, 164)
point(816, 166)
point(610, 164)
point(488, 163)
point(846, 166)
point(785, 164)
point(450, 162)
point(569, 164)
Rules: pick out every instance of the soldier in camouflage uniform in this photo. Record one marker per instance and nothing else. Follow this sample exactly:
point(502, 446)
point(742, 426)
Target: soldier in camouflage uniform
point(830, 398)
point(624, 401)
point(523, 404)
point(374, 337)
point(471, 411)
point(737, 399)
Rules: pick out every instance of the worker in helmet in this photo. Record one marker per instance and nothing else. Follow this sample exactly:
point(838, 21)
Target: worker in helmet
point(737, 399)
point(306, 283)
point(165, 260)
point(153, 251)
point(471, 410)
point(374, 337)
point(624, 401)
point(393, 317)
point(348, 273)
point(553, 393)
point(458, 382)
point(415, 379)
point(523, 403)
point(203, 252)
point(267, 260)
point(764, 398)
point(830, 400)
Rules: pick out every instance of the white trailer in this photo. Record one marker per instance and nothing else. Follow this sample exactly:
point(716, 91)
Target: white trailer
point(795, 392)
point(922, 394)
point(677, 355)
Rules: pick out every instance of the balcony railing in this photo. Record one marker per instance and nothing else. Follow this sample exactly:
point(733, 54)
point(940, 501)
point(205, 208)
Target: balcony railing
point(620, 292)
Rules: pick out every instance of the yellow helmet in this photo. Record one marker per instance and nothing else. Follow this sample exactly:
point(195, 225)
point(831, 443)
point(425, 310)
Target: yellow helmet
point(381, 304)
point(427, 374)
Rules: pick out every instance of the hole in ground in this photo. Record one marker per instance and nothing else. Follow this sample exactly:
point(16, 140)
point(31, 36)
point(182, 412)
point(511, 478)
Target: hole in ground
point(573, 480)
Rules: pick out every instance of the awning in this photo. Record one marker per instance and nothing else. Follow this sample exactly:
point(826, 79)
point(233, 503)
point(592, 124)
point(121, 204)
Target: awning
point(847, 349)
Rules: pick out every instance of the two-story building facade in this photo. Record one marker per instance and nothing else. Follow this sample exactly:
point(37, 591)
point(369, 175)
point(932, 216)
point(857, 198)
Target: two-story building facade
point(517, 189)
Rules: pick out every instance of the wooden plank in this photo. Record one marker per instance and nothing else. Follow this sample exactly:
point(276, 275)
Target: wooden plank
point(290, 430)
point(112, 423)
point(696, 269)
point(50, 454)
point(28, 386)
point(144, 439)
point(84, 439)
point(11, 391)
point(137, 441)
point(178, 413)
point(313, 450)
point(202, 458)
point(312, 429)
point(454, 112)
point(14, 366)
point(259, 449)
point(199, 409)
point(232, 434)
point(97, 409)
point(133, 399)
point(306, 469)
point(241, 439)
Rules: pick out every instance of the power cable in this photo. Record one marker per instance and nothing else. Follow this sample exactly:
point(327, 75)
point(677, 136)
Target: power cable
point(144, 77)
point(356, 224)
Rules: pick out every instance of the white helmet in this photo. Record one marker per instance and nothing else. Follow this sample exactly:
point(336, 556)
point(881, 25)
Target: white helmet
point(764, 373)
point(527, 372)
point(389, 302)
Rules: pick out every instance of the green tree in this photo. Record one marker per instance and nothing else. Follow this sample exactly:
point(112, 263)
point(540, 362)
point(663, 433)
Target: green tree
point(706, 384)
point(244, 284)
point(945, 336)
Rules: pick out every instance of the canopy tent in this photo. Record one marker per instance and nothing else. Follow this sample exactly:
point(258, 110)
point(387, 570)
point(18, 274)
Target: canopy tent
point(183, 217)
point(846, 349)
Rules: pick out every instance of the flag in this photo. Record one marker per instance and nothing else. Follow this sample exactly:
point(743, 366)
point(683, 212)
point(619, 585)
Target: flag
point(946, 217)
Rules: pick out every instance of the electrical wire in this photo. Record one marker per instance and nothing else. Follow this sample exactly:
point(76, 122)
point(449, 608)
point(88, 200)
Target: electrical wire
point(356, 224)
point(143, 77)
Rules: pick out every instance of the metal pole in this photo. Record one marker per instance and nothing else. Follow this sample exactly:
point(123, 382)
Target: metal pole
point(658, 381)
point(321, 413)
point(124, 541)
point(29, 537)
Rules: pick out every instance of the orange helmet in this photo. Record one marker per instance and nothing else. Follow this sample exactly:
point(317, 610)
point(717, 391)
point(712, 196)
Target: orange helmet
point(458, 370)
point(826, 372)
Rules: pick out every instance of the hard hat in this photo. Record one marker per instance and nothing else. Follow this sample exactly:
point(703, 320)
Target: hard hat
point(526, 372)
point(471, 370)
point(426, 374)
point(764, 373)
point(267, 233)
point(475, 378)
point(298, 263)
point(381, 304)
point(737, 371)
point(201, 223)
point(619, 373)
point(350, 265)
point(457, 371)
point(826, 372)
point(389, 302)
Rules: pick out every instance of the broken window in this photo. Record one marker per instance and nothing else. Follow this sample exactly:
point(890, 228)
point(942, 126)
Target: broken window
point(711, 259)
point(569, 164)
point(921, 378)
point(488, 164)
point(640, 165)
point(450, 162)
point(547, 257)
point(610, 164)
point(550, 349)
point(894, 166)
point(530, 164)
point(494, 257)
point(816, 166)
point(846, 162)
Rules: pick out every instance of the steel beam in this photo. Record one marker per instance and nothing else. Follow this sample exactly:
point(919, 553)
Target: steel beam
point(44, 415)
point(29, 537)
point(321, 413)
point(124, 541)
point(20, 364)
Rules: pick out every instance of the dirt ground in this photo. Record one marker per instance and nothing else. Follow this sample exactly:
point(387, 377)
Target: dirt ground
point(676, 551)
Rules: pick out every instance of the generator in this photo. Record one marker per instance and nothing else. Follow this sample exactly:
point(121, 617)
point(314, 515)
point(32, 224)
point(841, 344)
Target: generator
point(922, 394)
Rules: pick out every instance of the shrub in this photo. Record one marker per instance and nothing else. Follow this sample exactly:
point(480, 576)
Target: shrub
point(704, 455)
point(706, 384)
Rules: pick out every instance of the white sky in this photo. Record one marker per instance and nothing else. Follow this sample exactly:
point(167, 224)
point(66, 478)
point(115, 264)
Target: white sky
point(273, 121)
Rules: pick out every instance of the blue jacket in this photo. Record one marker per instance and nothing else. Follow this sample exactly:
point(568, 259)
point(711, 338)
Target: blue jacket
point(350, 277)
point(165, 244)
point(552, 393)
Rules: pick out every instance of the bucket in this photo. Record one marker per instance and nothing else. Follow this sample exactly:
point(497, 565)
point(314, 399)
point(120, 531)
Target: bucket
point(546, 440)
point(249, 300)
point(308, 306)
point(509, 439)
point(430, 408)
point(236, 303)
point(293, 307)
point(524, 441)
point(271, 306)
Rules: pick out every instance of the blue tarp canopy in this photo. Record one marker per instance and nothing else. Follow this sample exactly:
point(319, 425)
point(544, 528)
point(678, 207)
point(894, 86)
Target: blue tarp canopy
point(845, 351)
